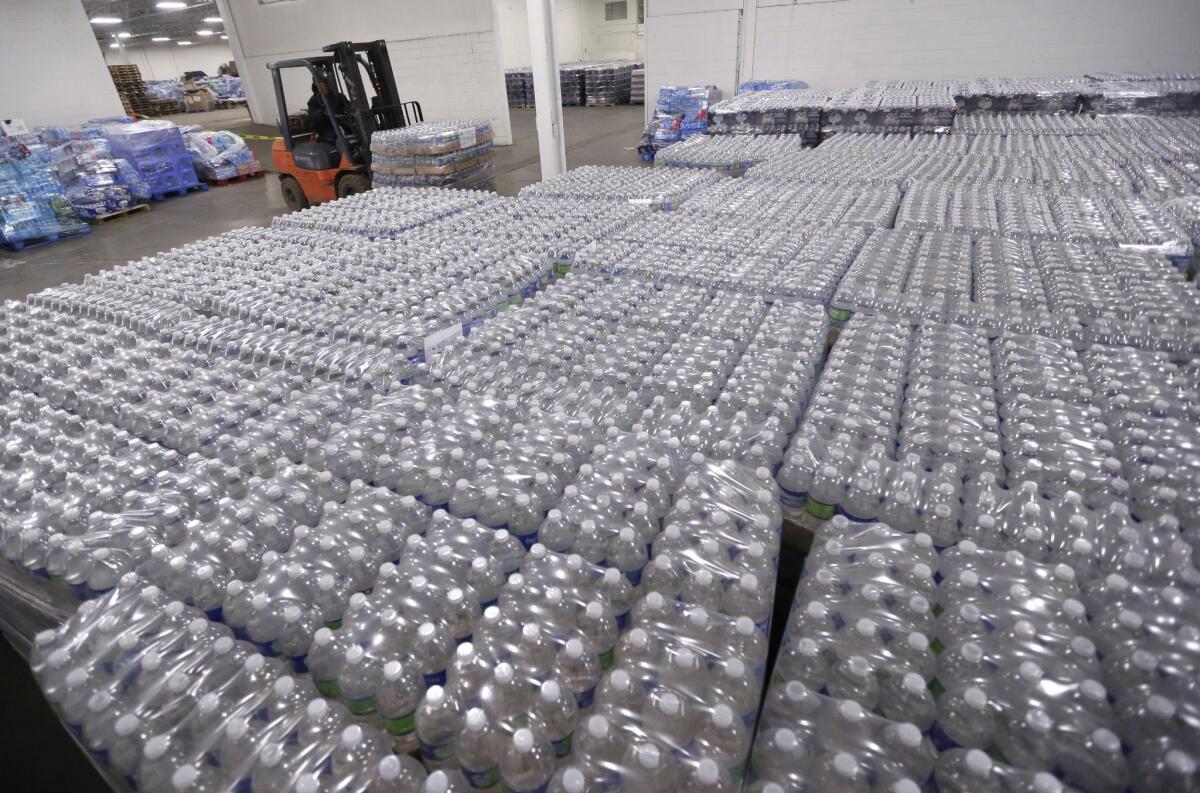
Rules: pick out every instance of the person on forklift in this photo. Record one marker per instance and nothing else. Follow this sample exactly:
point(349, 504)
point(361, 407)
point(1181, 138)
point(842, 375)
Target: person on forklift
point(322, 124)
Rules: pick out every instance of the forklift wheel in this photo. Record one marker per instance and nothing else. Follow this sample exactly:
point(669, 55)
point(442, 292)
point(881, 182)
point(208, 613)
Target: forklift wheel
point(293, 193)
point(352, 183)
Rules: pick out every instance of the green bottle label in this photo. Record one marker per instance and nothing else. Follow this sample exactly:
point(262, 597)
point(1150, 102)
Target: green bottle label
point(327, 687)
point(401, 725)
point(361, 707)
point(819, 510)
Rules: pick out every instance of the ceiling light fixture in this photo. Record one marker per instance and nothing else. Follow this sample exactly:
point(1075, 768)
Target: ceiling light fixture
point(161, 38)
point(184, 43)
point(124, 35)
point(213, 20)
point(204, 32)
point(224, 37)
point(113, 46)
point(170, 5)
point(105, 20)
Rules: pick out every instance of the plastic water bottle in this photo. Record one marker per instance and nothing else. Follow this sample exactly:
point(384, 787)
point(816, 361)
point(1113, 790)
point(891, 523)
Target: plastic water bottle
point(400, 692)
point(527, 762)
point(477, 751)
point(437, 723)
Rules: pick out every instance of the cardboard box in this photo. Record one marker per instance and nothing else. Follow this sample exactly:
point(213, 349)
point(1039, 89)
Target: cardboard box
point(198, 101)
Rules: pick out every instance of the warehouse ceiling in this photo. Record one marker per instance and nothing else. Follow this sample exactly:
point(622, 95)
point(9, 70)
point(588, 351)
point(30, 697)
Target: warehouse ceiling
point(145, 20)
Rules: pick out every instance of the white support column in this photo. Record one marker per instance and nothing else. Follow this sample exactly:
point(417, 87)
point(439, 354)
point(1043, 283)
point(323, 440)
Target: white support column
point(543, 50)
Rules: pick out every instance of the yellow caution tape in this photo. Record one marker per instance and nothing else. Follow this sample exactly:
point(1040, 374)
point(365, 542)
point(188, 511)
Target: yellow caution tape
point(259, 137)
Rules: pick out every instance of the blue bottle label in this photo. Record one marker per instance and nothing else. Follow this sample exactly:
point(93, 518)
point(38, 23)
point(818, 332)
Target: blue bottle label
point(437, 678)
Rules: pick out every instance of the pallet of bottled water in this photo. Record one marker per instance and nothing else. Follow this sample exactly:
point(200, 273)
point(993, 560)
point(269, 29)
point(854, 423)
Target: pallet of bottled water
point(647, 187)
point(727, 153)
point(800, 204)
point(1078, 292)
point(382, 213)
point(560, 226)
point(782, 110)
point(979, 667)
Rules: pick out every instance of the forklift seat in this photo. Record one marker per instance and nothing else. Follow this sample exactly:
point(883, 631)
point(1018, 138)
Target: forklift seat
point(316, 155)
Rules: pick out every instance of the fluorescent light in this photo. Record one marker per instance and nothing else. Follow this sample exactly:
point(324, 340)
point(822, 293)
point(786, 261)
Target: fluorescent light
point(184, 43)
point(160, 38)
point(167, 5)
point(204, 32)
point(224, 37)
point(113, 46)
point(124, 35)
point(213, 20)
point(105, 20)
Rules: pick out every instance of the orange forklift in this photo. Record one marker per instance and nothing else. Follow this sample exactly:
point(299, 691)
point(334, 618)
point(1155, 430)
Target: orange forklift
point(326, 153)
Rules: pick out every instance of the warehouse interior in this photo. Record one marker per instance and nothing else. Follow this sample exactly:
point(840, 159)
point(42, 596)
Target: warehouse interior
point(578, 396)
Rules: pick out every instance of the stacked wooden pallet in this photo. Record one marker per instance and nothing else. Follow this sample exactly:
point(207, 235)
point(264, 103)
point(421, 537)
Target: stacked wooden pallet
point(128, 80)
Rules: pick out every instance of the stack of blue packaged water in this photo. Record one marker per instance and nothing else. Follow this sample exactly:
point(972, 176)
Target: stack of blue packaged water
point(32, 204)
point(680, 112)
point(157, 150)
point(95, 183)
point(227, 87)
point(769, 85)
point(165, 90)
point(220, 154)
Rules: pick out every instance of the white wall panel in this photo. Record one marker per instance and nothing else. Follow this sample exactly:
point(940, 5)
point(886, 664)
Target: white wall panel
point(445, 54)
point(839, 43)
point(691, 49)
point(54, 74)
point(168, 61)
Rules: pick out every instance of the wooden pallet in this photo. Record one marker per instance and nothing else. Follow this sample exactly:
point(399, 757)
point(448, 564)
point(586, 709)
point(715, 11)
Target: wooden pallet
point(37, 242)
point(120, 213)
point(179, 191)
point(243, 177)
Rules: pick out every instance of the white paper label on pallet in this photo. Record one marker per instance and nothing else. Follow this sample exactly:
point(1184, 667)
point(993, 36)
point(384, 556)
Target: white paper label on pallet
point(438, 340)
point(466, 138)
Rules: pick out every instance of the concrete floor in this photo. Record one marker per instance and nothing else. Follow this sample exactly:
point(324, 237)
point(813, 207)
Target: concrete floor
point(595, 136)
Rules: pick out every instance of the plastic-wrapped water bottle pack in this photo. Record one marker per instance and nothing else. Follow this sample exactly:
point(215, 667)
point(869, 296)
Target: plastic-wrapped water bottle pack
point(647, 187)
point(430, 138)
point(1150, 407)
point(1110, 218)
point(167, 700)
point(382, 293)
point(990, 655)
point(382, 213)
point(732, 153)
point(1078, 292)
point(738, 398)
point(930, 408)
point(799, 204)
point(560, 226)
point(769, 112)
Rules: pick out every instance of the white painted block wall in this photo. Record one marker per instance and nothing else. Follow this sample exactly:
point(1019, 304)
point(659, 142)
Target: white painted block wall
point(168, 61)
point(444, 54)
point(514, 32)
point(691, 42)
point(54, 74)
point(840, 43)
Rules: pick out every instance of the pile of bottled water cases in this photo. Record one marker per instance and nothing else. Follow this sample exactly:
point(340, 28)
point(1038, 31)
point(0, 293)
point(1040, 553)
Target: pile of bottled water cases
point(425, 490)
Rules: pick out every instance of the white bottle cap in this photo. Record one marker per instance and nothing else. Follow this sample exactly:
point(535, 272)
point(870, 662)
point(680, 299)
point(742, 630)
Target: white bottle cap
point(722, 716)
point(914, 683)
point(845, 765)
point(1181, 763)
point(669, 704)
point(978, 763)
point(975, 698)
point(648, 756)
point(1044, 782)
point(904, 786)
point(573, 780)
point(523, 740)
point(389, 768)
point(439, 782)
point(476, 719)
point(435, 695)
point(317, 708)
point(851, 711)
point(184, 777)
